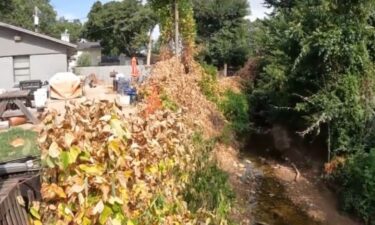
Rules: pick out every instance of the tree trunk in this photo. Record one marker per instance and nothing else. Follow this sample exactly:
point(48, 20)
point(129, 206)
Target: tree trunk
point(177, 37)
point(225, 69)
point(329, 142)
point(149, 50)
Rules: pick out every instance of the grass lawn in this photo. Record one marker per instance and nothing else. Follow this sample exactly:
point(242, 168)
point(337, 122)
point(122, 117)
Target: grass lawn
point(29, 148)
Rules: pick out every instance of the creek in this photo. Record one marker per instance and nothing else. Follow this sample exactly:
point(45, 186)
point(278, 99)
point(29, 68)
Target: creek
point(272, 205)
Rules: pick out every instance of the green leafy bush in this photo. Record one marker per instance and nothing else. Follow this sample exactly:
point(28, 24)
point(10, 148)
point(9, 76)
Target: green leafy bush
point(235, 107)
point(357, 180)
point(208, 82)
point(84, 60)
point(168, 103)
point(208, 187)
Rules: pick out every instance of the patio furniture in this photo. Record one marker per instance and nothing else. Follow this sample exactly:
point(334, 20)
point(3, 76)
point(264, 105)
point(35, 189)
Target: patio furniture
point(31, 85)
point(18, 98)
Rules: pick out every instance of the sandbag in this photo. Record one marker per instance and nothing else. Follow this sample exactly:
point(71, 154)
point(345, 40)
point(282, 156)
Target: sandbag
point(65, 85)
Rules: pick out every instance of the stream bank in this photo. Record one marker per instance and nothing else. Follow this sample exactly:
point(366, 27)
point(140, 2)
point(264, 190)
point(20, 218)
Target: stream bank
point(269, 192)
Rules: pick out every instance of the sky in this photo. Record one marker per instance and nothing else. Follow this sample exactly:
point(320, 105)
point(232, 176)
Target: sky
point(258, 10)
point(73, 9)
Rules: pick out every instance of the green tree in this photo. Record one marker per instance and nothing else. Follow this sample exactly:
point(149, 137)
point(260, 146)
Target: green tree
point(84, 60)
point(223, 31)
point(5, 8)
point(316, 67)
point(74, 28)
point(316, 74)
point(121, 27)
point(20, 13)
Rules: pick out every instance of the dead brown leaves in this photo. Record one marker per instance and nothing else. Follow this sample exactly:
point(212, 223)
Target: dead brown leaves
point(182, 88)
point(102, 169)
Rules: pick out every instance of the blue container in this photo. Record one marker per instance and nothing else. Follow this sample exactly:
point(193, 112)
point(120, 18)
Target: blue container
point(132, 92)
point(122, 86)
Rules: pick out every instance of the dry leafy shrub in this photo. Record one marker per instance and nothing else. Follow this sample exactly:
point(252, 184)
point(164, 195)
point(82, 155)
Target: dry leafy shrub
point(234, 83)
point(184, 90)
point(100, 168)
point(335, 164)
point(250, 70)
point(153, 101)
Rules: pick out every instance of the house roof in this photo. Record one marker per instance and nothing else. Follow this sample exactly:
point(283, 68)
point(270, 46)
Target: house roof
point(29, 32)
point(88, 45)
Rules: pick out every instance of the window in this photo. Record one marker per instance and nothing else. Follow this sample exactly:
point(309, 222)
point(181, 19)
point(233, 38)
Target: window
point(21, 67)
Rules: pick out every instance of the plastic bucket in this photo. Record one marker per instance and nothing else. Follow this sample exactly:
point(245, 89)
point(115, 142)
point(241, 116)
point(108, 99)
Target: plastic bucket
point(124, 100)
point(40, 97)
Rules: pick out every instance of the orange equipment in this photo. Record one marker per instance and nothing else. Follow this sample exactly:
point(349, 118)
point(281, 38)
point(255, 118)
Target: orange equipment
point(135, 71)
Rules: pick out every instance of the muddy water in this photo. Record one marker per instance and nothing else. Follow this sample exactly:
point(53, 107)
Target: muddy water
point(272, 207)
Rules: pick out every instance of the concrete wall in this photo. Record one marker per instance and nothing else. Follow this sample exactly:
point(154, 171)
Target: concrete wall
point(102, 72)
point(43, 67)
point(29, 45)
point(6, 68)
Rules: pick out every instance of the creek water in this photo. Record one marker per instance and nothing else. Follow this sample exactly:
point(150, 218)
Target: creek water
point(271, 204)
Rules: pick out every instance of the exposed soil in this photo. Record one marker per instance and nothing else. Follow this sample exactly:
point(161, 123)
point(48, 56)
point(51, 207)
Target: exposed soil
point(296, 166)
point(228, 160)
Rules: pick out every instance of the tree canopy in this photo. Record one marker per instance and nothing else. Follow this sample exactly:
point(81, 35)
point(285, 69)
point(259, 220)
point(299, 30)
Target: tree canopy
point(223, 30)
point(316, 74)
point(121, 27)
point(20, 13)
point(74, 29)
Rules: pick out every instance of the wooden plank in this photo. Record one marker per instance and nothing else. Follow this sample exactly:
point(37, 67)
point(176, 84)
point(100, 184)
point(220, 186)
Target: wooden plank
point(27, 113)
point(23, 212)
point(7, 216)
point(3, 106)
point(16, 207)
point(2, 214)
point(11, 211)
point(15, 94)
point(16, 113)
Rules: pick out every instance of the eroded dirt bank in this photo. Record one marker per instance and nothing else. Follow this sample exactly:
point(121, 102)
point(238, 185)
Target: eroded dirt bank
point(280, 185)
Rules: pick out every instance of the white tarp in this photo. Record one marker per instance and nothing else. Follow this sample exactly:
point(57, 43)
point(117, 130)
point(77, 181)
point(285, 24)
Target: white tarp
point(65, 85)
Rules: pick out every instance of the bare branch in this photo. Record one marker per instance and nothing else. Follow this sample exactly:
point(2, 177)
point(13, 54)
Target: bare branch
point(283, 108)
point(306, 99)
point(322, 119)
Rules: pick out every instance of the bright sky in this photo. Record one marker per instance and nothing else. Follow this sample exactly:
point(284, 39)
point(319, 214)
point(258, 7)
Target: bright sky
point(73, 9)
point(258, 10)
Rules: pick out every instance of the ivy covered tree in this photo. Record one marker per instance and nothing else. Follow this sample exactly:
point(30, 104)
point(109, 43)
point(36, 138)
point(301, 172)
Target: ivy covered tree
point(178, 28)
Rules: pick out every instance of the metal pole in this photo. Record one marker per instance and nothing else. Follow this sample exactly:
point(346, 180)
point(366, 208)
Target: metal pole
point(176, 13)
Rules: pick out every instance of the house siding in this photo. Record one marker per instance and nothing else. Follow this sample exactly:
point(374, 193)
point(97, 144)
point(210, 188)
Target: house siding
point(46, 57)
point(6, 66)
point(43, 67)
point(29, 45)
